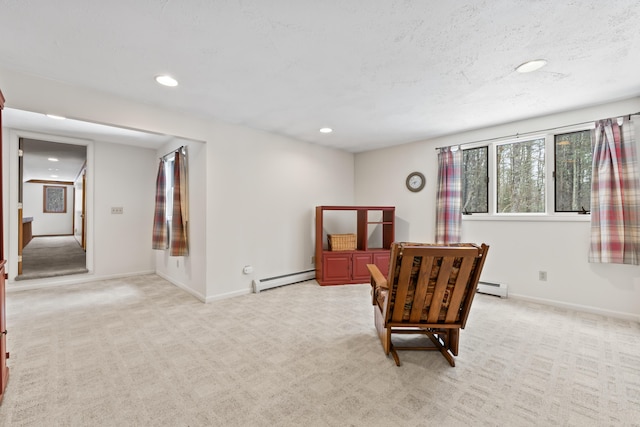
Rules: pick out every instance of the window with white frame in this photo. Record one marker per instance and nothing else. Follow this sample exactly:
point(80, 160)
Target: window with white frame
point(572, 172)
point(475, 183)
point(520, 175)
point(537, 175)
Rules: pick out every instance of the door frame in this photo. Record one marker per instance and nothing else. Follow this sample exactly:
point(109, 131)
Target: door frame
point(81, 180)
point(12, 211)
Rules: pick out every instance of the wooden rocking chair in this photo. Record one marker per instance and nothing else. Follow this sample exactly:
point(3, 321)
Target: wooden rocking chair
point(429, 292)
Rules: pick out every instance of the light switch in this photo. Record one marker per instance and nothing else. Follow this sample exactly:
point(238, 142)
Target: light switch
point(119, 210)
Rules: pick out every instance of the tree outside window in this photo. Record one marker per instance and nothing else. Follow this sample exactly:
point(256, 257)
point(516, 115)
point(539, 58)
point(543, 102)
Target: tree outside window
point(520, 169)
point(475, 180)
point(573, 159)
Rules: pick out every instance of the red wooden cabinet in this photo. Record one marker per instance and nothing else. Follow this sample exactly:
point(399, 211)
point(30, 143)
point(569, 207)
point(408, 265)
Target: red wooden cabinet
point(374, 227)
point(359, 261)
point(381, 259)
point(4, 355)
point(336, 268)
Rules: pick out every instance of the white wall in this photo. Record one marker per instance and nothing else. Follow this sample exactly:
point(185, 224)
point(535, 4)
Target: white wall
point(261, 189)
point(124, 176)
point(46, 224)
point(519, 249)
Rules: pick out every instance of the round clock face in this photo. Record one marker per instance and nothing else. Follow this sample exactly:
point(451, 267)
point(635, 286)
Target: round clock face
point(415, 181)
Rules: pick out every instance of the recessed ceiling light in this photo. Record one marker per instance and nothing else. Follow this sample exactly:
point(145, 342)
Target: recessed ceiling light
point(53, 116)
point(326, 130)
point(530, 66)
point(165, 80)
point(52, 159)
point(54, 176)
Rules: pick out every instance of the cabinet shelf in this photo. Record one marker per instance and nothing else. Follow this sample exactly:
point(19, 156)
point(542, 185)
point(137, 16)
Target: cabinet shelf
point(374, 229)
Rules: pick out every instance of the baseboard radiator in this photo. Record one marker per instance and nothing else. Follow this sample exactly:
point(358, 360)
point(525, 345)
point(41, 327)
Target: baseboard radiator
point(489, 288)
point(285, 279)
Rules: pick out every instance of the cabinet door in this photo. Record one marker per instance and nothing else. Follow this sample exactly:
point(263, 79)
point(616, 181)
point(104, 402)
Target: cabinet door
point(4, 372)
point(360, 270)
point(337, 268)
point(381, 260)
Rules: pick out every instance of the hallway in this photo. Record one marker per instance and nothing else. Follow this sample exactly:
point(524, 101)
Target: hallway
point(50, 256)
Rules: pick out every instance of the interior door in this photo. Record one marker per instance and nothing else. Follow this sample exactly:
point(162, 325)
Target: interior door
point(80, 208)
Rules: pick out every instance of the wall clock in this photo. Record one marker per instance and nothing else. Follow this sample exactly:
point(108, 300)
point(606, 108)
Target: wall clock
point(415, 181)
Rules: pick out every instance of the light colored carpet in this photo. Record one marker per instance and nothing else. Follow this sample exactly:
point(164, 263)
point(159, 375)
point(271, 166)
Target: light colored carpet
point(141, 352)
point(50, 256)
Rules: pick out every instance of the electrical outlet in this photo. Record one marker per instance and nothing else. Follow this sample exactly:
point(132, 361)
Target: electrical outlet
point(313, 259)
point(542, 276)
point(119, 210)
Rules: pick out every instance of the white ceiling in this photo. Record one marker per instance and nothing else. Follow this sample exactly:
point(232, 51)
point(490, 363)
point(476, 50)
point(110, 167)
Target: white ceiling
point(380, 72)
point(38, 164)
point(71, 157)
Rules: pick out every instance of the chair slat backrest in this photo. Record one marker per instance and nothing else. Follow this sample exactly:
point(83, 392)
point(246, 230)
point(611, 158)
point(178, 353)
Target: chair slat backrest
point(433, 284)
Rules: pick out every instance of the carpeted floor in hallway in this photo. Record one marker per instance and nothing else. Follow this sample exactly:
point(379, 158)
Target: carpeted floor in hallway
point(49, 256)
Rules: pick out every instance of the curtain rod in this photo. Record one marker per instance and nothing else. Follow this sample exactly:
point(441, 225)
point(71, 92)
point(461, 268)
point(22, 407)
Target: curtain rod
point(526, 133)
point(173, 151)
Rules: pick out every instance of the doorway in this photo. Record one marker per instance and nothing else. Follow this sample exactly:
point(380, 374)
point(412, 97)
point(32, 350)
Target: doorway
point(51, 209)
point(95, 137)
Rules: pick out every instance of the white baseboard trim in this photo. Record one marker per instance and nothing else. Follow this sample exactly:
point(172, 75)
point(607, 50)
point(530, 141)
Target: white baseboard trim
point(493, 288)
point(50, 282)
point(182, 286)
point(282, 280)
point(229, 295)
point(578, 307)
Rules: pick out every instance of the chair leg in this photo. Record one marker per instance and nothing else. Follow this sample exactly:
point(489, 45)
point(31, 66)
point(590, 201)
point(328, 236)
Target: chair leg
point(454, 339)
point(394, 353)
point(443, 349)
point(383, 333)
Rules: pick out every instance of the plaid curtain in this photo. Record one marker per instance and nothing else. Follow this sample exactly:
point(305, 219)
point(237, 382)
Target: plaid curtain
point(449, 196)
point(160, 236)
point(179, 244)
point(615, 195)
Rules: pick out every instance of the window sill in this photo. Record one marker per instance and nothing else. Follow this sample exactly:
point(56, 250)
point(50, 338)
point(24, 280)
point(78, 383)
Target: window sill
point(528, 218)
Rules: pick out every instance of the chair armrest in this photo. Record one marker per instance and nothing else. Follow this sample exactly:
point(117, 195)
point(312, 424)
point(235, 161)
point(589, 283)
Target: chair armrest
point(377, 278)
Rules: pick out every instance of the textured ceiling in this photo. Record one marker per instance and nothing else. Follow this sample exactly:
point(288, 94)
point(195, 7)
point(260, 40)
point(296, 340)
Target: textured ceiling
point(379, 72)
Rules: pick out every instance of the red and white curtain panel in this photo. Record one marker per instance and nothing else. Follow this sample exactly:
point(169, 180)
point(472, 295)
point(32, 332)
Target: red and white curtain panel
point(179, 246)
point(449, 196)
point(175, 238)
point(615, 195)
point(160, 235)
